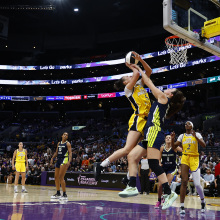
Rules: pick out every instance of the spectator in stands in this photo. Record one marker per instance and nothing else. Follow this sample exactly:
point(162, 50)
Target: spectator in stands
point(217, 168)
point(177, 181)
point(208, 177)
point(203, 169)
point(85, 163)
point(4, 173)
point(215, 185)
point(208, 158)
point(153, 179)
point(202, 157)
point(31, 176)
point(211, 167)
point(37, 176)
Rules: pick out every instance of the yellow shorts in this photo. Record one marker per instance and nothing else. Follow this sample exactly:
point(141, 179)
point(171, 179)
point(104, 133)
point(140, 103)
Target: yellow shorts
point(137, 123)
point(192, 161)
point(20, 167)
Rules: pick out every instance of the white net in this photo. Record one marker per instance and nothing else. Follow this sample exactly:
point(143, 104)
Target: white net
point(177, 47)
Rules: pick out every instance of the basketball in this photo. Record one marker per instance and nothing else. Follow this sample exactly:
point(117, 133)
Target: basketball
point(129, 58)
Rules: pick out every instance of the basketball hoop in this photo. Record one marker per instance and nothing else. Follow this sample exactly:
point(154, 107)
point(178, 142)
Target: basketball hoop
point(177, 47)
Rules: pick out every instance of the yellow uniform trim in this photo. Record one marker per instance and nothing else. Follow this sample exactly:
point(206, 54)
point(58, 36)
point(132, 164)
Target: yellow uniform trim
point(174, 172)
point(65, 161)
point(152, 135)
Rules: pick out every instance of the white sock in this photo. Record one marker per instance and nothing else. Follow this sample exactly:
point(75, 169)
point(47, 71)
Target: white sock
point(16, 187)
point(105, 163)
point(181, 204)
point(23, 187)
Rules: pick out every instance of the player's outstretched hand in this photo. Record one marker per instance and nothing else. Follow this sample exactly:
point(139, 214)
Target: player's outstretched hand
point(137, 56)
point(136, 67)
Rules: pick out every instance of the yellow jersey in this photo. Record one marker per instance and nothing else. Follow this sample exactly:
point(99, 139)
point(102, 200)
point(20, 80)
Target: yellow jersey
point(139, 99)
point(190, 144)
point(20, 156)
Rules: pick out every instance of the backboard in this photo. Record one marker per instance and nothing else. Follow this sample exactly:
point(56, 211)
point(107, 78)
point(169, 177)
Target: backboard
point(185, 18)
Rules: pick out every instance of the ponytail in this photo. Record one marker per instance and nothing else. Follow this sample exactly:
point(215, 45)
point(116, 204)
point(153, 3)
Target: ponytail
point(176, 103)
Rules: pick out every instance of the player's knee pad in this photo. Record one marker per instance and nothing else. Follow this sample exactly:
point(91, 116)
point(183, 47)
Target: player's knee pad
point(155, 167)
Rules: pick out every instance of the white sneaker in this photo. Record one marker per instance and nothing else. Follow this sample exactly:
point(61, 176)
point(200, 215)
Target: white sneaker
point(128, 192)
point(15, 190)
point(189, 194)
point(64, 197)
point(169, 200)
point(194, 194)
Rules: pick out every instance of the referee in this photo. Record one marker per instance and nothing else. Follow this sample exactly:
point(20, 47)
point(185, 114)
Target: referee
point(144, 172)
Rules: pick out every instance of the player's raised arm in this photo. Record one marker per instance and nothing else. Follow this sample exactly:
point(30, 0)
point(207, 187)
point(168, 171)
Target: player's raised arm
point(134, 78)
point(145, 65)
point(199, 138)
point(158, 94)
point(176, 144)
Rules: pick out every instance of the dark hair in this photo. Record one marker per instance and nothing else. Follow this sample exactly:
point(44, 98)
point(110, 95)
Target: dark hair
point(119, 84)
point(176, 103)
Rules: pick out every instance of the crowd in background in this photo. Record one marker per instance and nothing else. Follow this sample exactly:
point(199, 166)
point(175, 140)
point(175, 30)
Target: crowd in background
point(97, 141)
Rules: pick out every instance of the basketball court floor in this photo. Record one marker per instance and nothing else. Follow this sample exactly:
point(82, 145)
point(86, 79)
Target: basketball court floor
point(95, 204)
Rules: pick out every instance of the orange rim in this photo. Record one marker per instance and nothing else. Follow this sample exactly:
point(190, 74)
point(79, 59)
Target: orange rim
point(176, 45)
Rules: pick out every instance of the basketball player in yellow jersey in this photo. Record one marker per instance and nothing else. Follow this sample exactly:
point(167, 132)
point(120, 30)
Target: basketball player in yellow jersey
point(141, 104)
point(190, 160)
point(20, 156)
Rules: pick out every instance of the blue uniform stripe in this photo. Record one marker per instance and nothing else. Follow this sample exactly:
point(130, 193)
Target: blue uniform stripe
point(132, 100)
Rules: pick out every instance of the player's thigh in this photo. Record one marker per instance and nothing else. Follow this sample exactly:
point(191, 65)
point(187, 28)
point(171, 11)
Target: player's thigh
point(184, 172)
point(194, 163)
point(63, 169)
point(18, 167)
point(153, 153)
point(136, 153)
point(23, 168)
point(132, 140)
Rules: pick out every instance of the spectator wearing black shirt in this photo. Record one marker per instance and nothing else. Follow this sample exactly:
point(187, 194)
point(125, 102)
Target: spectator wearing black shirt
point(215, 185)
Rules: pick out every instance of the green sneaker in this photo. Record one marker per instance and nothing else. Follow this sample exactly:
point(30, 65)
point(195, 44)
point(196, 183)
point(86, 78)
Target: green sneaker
point(128, 192)
point(169, 200)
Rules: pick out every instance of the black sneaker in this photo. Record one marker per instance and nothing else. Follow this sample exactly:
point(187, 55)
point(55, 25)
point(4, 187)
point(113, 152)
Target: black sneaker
point(203, 208)
point(55, 196)
point(182, 210)
point(64, 197)
point(97, 169)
